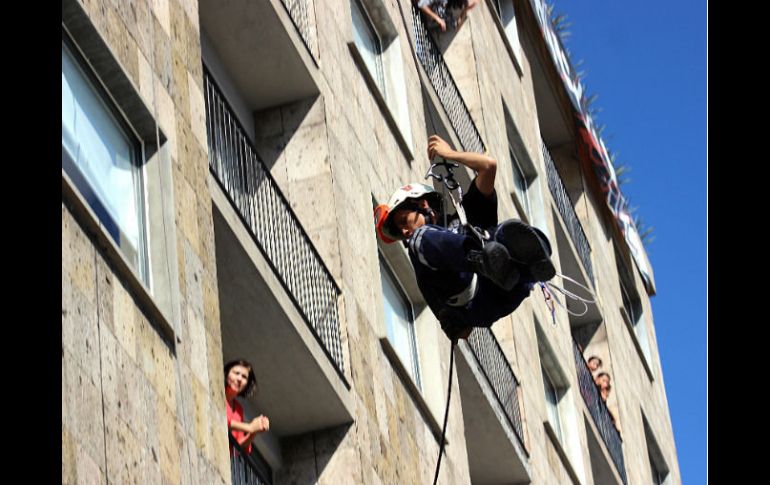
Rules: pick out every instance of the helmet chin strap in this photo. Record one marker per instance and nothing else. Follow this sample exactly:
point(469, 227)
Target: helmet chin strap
point(430, 214)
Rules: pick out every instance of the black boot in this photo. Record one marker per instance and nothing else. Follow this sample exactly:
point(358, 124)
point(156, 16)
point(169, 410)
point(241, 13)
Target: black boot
point(529, 247)
point(494, 263)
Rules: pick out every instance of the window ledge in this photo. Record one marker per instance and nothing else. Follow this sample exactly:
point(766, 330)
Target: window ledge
point(560, 451)
point(520, 208)
point(637, 345)
point(412, 389)
point(504, 36)
point(381, 103)
point(83, 213)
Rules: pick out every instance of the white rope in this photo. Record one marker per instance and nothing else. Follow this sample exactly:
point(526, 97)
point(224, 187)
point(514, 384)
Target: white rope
point(573, 296)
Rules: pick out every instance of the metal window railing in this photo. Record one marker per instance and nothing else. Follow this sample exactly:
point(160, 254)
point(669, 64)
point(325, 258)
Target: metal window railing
point(274, 227)
point(559, 193)
point(499, 374)
point(599, 412)
point(244, 467)
point(299, 13)
point(433, 62)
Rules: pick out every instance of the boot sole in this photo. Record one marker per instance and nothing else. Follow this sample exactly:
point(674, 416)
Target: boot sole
point(525, 247)
point(507, 275)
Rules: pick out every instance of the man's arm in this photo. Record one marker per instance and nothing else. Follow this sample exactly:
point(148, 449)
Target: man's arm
point(485, 167)
point(430, 13)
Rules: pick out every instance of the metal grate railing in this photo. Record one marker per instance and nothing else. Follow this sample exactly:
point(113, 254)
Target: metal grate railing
point(274, 227)
point(433, 62)
point(499, 374)
point(245, 469)
point(567, 212)
point(299, 13)
point(599, 412)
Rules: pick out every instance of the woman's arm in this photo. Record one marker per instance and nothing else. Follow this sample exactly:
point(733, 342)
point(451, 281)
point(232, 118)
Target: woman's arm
point(257, 425)
point(430, 13)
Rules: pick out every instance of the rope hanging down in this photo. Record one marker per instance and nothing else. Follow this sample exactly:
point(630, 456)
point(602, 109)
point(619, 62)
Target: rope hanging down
point(446, 413)
point(448, 182)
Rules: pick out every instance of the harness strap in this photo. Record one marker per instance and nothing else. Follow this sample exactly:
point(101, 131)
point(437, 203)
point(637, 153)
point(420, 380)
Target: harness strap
point(464, 297)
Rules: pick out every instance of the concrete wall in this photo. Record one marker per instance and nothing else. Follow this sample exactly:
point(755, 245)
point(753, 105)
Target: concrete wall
point(136, 409)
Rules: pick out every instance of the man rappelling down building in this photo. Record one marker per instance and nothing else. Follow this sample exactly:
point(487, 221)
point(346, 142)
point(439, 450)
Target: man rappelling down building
point(471, 272)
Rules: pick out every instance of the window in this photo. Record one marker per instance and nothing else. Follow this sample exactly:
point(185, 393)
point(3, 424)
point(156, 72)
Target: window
point(526, 193)
point(368, 42)
point(117, 170)
point(521, 184)
point(631, 301)
point(377, 50)
point(101, 154)
point(552, 403)
point(399, 321)
point(658, 468)
point(658, 478)
point(507, 17)
point(632, 304)
point(562, 416)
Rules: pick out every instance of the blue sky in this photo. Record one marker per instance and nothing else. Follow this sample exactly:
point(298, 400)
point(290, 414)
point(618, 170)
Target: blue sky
point(647, 63)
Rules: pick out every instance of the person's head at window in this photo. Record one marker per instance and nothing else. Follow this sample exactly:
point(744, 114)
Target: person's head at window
point(594, 363)
point(239, 378)
point(603, 383)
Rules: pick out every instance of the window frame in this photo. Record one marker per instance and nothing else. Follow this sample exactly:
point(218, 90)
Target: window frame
point(414, 368)
point(138, 152)
point(388, 87)
point(157, 296)
point(552, 408)
point(507, 31)
point(523, 194)
point(379, 74)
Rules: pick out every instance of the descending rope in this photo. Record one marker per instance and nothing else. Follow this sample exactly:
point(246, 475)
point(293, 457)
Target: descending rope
point(446, 413)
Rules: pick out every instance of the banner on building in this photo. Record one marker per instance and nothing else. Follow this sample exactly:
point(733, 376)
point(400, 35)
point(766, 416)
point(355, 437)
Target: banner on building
point(592, 146)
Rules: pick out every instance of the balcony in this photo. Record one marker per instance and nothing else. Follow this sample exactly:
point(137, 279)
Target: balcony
point(263, 48)
point(599, 413)
point(278, 300)
point(494, 430)
point(571, 221)
point(444, 84)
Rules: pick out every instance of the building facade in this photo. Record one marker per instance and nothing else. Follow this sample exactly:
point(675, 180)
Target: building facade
point(220, 163)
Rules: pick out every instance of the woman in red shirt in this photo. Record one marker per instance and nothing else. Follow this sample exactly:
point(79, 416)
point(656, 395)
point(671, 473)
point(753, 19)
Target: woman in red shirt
point(239, 380)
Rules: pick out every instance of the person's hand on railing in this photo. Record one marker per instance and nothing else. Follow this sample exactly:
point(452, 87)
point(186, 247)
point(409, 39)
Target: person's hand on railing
point(260, 424)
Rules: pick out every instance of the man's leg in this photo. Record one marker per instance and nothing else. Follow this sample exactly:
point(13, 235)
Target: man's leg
point(441, 249)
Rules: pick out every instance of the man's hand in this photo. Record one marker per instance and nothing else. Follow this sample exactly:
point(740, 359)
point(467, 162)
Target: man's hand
point(441, 24)
point(438, 147)
point(452, 324)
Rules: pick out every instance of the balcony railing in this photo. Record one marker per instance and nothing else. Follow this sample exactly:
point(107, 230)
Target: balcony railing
point(599, 412)
point(273, 226)
point(245, 469)
point(299, 13)
point(499, 374)
point(433, 62)
point(568, 215)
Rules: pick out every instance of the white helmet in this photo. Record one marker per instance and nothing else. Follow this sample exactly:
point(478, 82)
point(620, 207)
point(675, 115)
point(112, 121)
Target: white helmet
point(403, 198)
